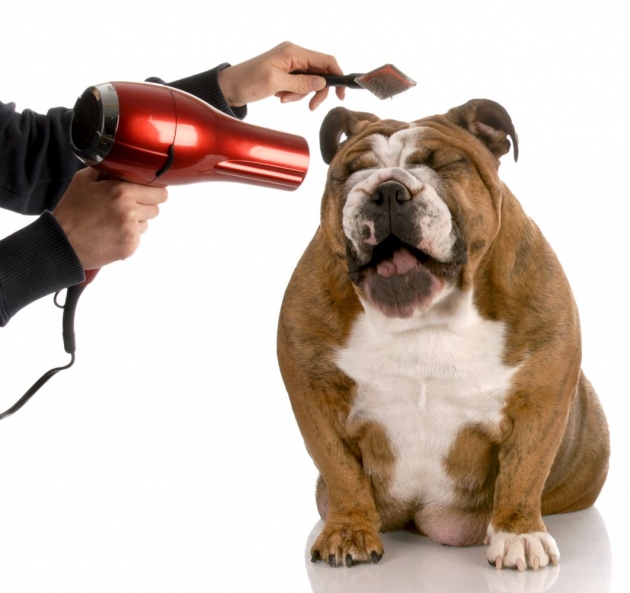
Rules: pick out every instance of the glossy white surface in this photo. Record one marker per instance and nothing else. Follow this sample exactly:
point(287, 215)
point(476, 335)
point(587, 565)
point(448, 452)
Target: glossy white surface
point(412, 563)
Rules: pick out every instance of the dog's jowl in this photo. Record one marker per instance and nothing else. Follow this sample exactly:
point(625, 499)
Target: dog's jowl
point(430, 346)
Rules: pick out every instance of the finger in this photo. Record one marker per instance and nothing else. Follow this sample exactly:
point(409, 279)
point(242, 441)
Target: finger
point(315, 62)
point(89, 174)
point(300, 84)
point(317, 99)
point(150, 195)
point(145, 212)
point(286, 97)
point(140, 194)
point(325, 63)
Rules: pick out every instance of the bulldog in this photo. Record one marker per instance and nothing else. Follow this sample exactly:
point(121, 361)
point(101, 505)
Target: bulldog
point(430, 346)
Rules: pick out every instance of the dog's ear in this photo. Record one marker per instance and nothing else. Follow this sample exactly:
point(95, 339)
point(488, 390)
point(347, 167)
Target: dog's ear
point(338, 122)
point(488, 121)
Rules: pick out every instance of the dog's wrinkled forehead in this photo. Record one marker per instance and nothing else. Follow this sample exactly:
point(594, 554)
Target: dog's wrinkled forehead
point(395, 150)
point(476, 124)
point(403, 156)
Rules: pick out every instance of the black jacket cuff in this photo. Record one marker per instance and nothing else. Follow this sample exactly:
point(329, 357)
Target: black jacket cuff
point(35, 261)
point(206, 86)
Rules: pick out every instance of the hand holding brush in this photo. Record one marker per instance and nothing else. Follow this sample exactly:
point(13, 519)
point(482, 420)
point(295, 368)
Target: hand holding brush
point(269, 74)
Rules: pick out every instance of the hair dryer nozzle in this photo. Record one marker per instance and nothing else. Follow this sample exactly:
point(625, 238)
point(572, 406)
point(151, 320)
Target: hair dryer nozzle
point(153, 134)
point(94, 123)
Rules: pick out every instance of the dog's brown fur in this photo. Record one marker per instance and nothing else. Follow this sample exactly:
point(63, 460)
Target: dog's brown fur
point(550, 452)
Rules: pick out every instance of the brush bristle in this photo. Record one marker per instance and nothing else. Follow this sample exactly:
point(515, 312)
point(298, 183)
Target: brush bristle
point(386, 81)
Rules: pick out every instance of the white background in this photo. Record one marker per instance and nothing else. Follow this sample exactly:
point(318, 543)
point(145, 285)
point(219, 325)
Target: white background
point(168, 458)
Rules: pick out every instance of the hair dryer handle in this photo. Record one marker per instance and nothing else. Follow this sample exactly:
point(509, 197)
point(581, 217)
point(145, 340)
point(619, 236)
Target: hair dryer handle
point(70, 306)
point(89, 276)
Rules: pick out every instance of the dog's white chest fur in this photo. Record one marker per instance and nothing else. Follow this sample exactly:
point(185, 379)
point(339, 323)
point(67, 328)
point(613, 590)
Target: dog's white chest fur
point(423, 380)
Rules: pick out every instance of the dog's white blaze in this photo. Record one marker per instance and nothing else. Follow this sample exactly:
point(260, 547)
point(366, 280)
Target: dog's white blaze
point(434, 220)
point(395, 149)
point(423, 380)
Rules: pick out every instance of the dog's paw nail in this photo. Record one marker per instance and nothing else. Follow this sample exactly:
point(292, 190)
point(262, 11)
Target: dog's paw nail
point(498, 563)
point(332, 560)
point(520, 565)
point(553, 559)
point(315, 557)
point(376, 557)
point(349, 562)
point(536, 563)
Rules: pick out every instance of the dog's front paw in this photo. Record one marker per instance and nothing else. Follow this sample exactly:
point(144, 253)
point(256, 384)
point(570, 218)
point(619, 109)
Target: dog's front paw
point(521, 550)
point(349, 542)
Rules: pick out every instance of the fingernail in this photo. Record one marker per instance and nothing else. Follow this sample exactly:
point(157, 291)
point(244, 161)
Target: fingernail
point(318, 83)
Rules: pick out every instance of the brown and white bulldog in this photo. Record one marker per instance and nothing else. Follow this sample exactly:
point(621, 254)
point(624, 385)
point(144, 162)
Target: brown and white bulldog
point(430, 345)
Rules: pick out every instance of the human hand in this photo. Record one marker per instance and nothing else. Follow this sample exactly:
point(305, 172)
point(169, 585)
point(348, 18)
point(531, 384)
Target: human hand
point(103, 219)
point(268, 74)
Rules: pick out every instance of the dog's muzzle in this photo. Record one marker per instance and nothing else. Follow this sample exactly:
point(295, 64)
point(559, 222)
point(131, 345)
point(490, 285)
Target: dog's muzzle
point(399, 259)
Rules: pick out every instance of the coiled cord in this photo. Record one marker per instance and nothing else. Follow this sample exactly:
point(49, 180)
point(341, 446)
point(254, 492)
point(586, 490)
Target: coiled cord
point(35, 387)
point(69, 307)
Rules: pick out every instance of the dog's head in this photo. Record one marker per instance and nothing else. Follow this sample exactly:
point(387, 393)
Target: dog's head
point(412, 206)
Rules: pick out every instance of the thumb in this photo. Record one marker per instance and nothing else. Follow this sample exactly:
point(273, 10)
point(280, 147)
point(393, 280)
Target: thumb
point(304, 83)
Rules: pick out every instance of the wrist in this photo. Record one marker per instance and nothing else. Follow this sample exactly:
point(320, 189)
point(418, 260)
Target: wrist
point(225, 81)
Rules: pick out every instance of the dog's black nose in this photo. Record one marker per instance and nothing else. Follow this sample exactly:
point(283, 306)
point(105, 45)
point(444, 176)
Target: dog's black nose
point(390, 210)
point(390, 194)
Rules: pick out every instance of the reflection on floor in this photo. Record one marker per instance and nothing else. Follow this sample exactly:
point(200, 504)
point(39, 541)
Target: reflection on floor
point(415, 564)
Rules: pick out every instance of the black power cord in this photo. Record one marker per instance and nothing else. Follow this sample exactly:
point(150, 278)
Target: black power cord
point(69, 307)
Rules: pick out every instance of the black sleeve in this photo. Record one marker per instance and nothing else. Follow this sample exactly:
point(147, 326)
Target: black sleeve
point(37, 163)
point(35, 261)
point(36, 168)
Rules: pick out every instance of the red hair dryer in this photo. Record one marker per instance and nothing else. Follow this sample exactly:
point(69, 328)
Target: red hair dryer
point(158, 135)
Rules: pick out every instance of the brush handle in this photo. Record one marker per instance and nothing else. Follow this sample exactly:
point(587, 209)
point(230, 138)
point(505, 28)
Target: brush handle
point(348, 80)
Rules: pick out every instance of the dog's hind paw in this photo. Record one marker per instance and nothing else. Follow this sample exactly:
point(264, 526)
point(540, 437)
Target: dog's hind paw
point(348, 543)
point(522, 550)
